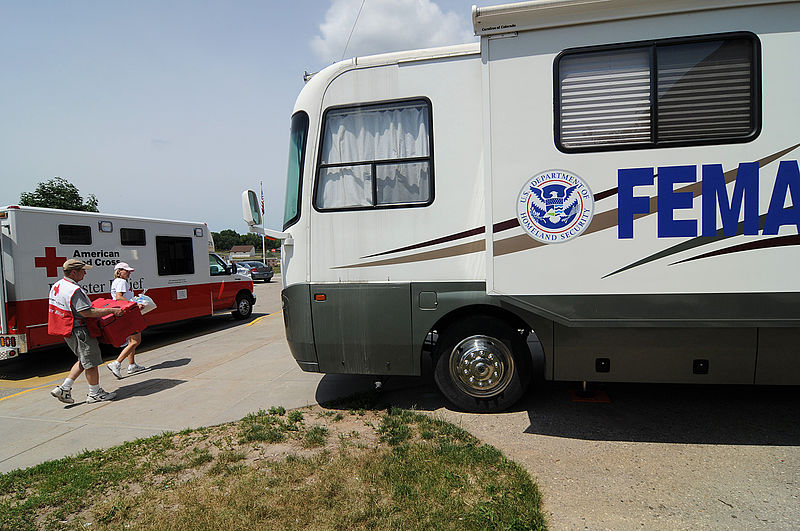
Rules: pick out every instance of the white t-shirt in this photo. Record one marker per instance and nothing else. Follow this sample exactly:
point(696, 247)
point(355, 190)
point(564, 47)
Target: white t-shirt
point(120, 285)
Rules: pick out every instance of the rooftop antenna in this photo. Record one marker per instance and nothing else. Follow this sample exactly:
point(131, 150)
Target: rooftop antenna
point(352, 29)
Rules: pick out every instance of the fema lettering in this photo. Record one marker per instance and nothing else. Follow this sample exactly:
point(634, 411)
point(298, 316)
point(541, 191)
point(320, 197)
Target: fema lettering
point(714, 198)
point(98, 258)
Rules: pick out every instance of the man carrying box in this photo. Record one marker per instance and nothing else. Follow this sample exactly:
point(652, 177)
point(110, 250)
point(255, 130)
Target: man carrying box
point(68, 307)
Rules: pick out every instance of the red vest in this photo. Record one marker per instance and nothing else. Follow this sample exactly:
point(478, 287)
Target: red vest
point(59, 315)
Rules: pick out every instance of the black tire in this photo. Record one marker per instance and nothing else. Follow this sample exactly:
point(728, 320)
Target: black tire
point(482, 364)
point(244, 307)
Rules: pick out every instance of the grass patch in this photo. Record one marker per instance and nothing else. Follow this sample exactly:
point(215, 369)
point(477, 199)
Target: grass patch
point(355, 468)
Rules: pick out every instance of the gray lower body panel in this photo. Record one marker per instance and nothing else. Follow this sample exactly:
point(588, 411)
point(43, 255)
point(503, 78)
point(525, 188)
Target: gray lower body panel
point(699, 338)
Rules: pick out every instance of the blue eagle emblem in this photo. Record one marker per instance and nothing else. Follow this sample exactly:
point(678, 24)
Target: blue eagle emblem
point(554, 206)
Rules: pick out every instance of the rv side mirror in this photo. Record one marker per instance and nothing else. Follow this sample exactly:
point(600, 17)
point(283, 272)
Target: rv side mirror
point(251, 210)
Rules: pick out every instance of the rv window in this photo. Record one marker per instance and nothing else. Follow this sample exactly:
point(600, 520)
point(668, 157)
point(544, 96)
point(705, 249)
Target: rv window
point(376, 156)
point(294, 177)
point(659, 94)
point(132, 237)
point(74, 235)
point(174, 255)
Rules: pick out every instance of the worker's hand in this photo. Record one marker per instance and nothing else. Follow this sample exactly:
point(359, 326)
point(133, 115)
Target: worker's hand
point(116, 311)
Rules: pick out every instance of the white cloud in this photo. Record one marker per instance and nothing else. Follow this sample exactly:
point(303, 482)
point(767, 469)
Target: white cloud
point(386, 26)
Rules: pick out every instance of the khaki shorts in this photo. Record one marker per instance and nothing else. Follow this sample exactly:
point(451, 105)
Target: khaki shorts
point(85, 347)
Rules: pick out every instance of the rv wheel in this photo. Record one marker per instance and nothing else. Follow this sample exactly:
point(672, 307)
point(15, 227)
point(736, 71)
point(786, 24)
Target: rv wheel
point(244, 307)
point(482, 364)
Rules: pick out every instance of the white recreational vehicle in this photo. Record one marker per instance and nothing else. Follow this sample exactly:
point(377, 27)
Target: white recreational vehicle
point(616, 177)
point(169, 258)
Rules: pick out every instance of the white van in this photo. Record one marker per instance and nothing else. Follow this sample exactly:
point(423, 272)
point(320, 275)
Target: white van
point(616, 178)
point(169, 258)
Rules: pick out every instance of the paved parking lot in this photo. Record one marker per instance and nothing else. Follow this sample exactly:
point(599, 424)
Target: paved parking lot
point(654, 457)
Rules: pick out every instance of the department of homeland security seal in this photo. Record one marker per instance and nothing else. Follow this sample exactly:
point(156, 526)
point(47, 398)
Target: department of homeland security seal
point(555, 206)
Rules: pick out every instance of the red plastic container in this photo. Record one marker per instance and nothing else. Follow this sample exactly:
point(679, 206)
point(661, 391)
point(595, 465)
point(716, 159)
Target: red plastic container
point(115, 330)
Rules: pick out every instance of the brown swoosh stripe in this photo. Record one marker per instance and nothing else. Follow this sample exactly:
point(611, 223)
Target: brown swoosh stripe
point(781, 241)
point(456, 250)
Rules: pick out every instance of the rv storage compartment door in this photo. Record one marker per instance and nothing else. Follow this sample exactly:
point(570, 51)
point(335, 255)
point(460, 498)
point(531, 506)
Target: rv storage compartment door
point(362, 328)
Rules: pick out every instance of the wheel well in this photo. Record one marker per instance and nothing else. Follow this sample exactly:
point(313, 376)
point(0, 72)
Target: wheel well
point(536, 349)
point(483, 309)
point(244, 293)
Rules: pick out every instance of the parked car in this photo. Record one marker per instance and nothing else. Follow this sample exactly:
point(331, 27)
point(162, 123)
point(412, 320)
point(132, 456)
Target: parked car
point(258, 270)
point(241, 269)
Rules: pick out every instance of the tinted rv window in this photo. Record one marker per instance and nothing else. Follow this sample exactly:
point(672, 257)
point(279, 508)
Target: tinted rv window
point(132, 237)
point(376, 156)
point(174, 255)
point(294, 178)
point(658, 94)
point(74, 234)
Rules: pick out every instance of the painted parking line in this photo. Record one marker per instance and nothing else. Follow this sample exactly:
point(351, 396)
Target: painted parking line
point(25, 391)
point(254, 321)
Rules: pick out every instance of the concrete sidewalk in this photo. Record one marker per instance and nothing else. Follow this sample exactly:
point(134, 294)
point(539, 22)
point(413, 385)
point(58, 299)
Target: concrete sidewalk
point(210, 379)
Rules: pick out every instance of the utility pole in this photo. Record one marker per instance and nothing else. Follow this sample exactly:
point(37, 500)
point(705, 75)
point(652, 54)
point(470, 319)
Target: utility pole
point(263, 226)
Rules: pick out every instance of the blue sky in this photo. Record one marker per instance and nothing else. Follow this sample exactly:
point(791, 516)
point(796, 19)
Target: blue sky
point(170, 109)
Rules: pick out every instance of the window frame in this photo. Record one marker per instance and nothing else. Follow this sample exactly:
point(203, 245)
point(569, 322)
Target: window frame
point(172, 239)
point(219, 260)
point(66, 239)
point(653, 44)
point(373, 164)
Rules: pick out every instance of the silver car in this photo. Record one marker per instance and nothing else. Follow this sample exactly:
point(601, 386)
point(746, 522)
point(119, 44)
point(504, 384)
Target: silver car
point(258, 270)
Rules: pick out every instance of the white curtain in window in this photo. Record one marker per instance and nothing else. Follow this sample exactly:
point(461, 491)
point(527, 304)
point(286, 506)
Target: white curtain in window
point(407, 182)
point(345, 186)
point(368, 135)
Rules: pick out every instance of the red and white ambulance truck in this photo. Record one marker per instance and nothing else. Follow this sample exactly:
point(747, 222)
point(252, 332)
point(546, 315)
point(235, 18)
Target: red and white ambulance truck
point(169, 258)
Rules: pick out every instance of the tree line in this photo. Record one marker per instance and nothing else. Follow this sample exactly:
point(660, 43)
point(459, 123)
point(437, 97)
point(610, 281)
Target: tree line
point(228, 238)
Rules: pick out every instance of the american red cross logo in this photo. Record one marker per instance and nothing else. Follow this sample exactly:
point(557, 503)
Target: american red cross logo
point(50, 261)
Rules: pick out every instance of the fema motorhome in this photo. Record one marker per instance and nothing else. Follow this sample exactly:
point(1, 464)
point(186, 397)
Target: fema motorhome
point(172, 261)
point(616, 177)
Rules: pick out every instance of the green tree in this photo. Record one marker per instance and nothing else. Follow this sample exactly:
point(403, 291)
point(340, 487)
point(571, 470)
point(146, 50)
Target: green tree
point(224, 240)
point(251, 239)
point(58, 193)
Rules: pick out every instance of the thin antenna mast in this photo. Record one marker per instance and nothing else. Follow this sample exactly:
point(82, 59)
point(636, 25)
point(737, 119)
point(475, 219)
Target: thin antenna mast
point(352, 29)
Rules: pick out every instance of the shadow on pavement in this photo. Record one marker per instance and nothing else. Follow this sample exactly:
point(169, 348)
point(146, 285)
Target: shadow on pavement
point(146, 387)
point(703, 414)
point(660, 413)
point(169, 364)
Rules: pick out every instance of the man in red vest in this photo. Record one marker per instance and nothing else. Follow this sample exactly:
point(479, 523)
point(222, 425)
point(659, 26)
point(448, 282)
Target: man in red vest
point(69, 306)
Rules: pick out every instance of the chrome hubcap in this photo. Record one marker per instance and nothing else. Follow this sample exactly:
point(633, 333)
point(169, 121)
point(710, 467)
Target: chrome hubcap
point(481, 366)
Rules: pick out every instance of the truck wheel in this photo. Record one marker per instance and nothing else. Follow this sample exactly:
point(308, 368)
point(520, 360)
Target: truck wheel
point(482, 364)
point(244, 307)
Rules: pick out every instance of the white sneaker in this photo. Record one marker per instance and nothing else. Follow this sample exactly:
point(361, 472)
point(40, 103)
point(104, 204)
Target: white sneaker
point(65, 395)
point(134, 368)
point(101, 396)
point(114, 367)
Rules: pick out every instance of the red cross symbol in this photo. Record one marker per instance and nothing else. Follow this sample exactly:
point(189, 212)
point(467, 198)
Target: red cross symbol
point(50, 261)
